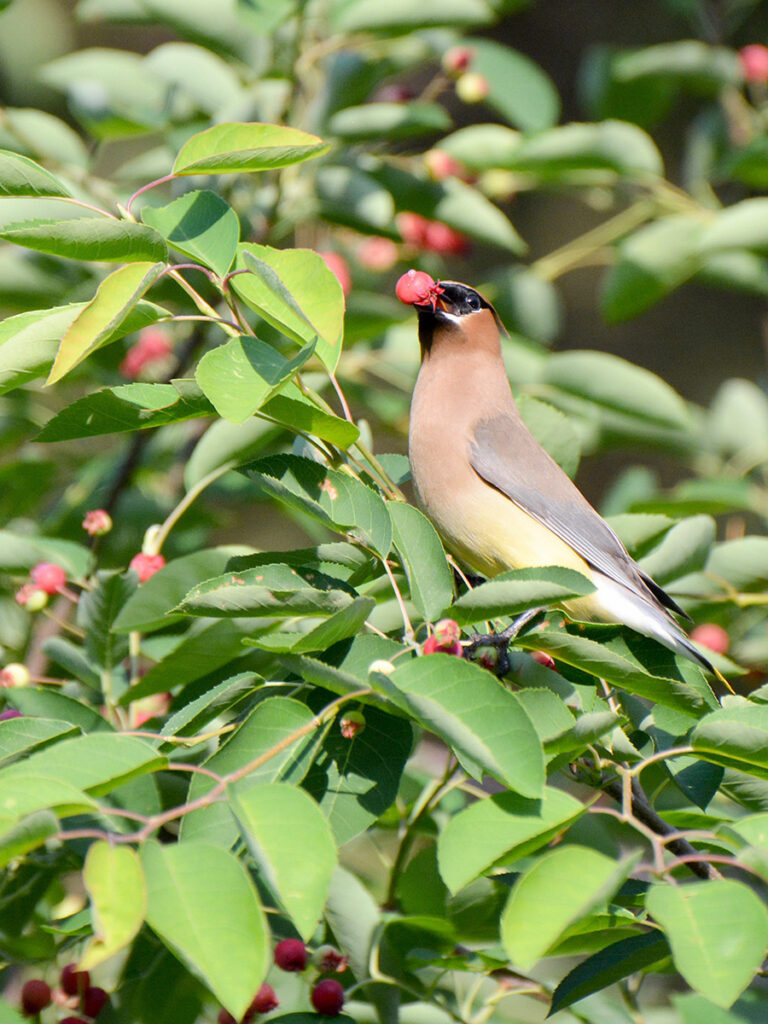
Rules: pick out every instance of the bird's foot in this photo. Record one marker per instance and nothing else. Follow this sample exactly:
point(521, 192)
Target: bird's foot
point(497, 644)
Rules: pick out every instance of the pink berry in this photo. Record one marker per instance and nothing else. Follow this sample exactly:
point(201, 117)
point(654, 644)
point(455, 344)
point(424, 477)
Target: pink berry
point(447, 632)
point(488, 657)
point(442, 165)
point(710, 635)
point(153, 346)
point(339, 266)
point(328, 997)
point(456, 60)
point(392, 94)
point(74, 982)
point(35, 996)
point(352, 723)
point(31, 597)
point(14, 675)
point(754, 62)
point(264, 1001)
point(48, 577)
point(472, 87)
point(146, 565)
point(440, 238)
point(377, 253)
point(543, 658)
point(94, 1001)
point(10, 713)
point(97, 522)
point(412, 228)
point(433, 646)
point(291, 955)
point(417, 288)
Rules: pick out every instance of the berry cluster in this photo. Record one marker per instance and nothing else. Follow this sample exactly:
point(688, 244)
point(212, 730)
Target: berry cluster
point(291, 955)
point(36, 995)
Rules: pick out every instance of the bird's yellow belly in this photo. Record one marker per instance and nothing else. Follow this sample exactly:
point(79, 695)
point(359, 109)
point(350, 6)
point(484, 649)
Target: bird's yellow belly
point(494, 535)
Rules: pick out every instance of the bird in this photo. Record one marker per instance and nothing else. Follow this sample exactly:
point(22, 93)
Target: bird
point(497, 498)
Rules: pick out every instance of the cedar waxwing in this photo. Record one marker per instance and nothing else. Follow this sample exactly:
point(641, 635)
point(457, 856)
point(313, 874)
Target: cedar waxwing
point(496, 497)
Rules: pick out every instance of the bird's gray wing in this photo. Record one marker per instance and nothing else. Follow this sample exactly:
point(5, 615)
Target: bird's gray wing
point(506, 455)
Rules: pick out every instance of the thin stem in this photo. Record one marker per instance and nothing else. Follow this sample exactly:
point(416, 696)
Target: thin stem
point(86, 206)
point(342, 399)
point(162, 534)
point(146, 188)
point(408, 628)
point(199, 301)
point(662, 755)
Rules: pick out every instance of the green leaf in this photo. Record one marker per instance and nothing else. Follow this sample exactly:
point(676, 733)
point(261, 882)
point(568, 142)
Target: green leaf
point(402, 15)
point(471, 711)
point(289, 838)
point(652, 262)
point(518, 89)
point(267, 727)
point(29, 790)
point(236, 148)
point(45, 703)
point(29, 341)
point(560, 153)
point(240, 376)
point(683, 549)
point(291, 409)
point(22, 735)
point(20, 176)
point(223, 700)
point(201, 651)
point(355, 781)
point(736, 737)
point(560, 888)
point(608, 966)
point(388, 121)
point(96, 763)
point(504, 825)
point(275, 590)
point(148, 608)
point(517, 590)
point(350, 196)
point(115, 297)
point(203, 906)
point(96, 612)
point(201, 225)
point(225, 442)
point(18, 837)
point(743, 225)
point(707, 68)
point(89, 238)
point(718, 931)
point(295, 292)
point(341, 625)
point(645, 668)
point(429, 577)
point(125, 408)
point(614, 384)
point(114, 880)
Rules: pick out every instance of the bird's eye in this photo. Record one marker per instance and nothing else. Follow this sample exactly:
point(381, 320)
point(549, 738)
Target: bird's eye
point(473, 301)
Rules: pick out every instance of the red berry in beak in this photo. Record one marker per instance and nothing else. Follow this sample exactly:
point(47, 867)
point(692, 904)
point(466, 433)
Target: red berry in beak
point(415, 288)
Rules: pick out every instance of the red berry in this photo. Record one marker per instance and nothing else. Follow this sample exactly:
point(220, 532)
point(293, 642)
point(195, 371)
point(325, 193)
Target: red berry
point(10, 713)
point(77, 1020)
point(146, 565)
point(377, 253)
point(488, 657)
point(447, 632)
point(543, 658)
point(225, 1017)
point(264, 1000)
point(456, 60)
point(35, 996)
point(291, 955)
point(417, 288)
point(442, 165)
point(328, 997)
point(328, 958)
point(153, 346)
point(74, 982)
point(48, 577)
point(710, 635)
point(339, 266)
point(97, 522)
point(94, 1000)
point(754, 62)
point(392, 94)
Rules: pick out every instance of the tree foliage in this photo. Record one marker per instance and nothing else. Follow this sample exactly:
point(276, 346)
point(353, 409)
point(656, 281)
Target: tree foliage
point(209, 746)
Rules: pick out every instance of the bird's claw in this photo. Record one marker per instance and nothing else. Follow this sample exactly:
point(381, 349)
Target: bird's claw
point(499, 642)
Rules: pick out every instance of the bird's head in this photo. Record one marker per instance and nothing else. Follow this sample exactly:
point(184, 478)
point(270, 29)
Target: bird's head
point(449, 310)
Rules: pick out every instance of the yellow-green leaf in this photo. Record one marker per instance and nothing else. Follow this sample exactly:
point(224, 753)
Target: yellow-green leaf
point(114, 879)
